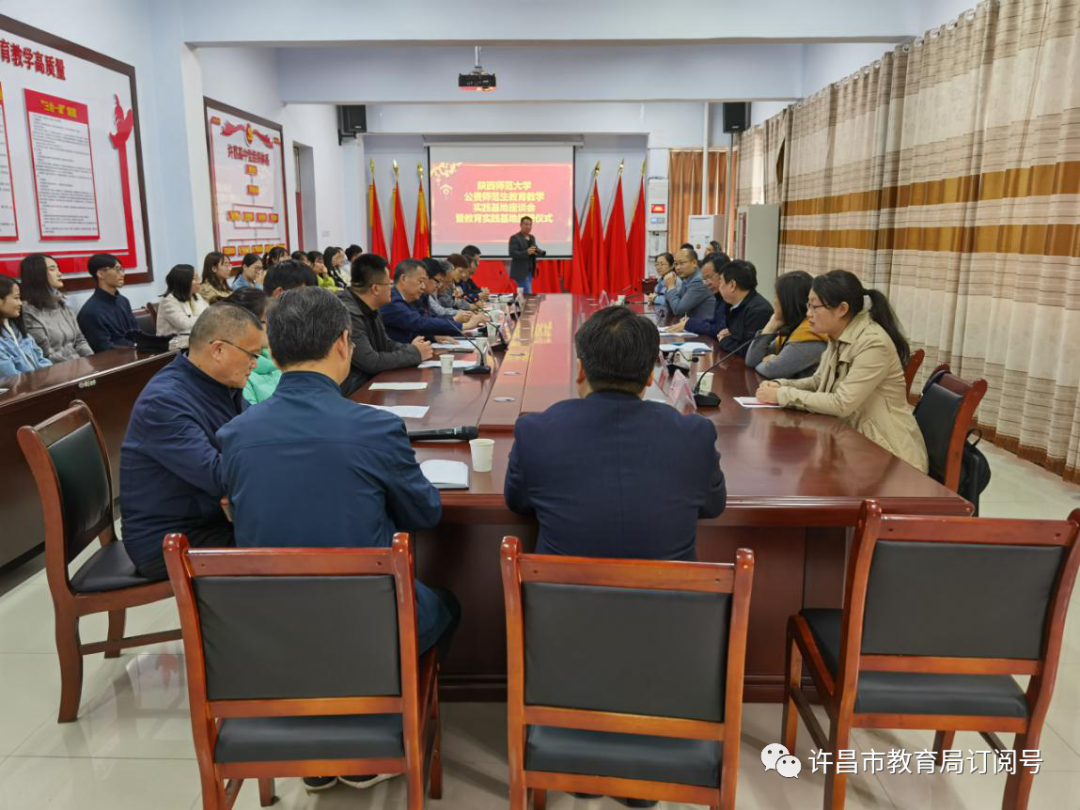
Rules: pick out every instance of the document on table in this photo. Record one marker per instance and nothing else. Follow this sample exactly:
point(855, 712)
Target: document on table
point(698, 348)
point(437, 364)
point(404, 411)
point(445, 474)
point(460, 346)
point(754, 402)
point(677, 334)
point(398, 386)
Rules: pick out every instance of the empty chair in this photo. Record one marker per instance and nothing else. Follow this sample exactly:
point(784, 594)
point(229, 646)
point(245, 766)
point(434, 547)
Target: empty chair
point(300, 663)
point(945, 413)
point(70, 464)
point(940, 614)
point(603, 696)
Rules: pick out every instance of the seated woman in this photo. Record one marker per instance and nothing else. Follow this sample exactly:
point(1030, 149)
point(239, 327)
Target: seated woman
point(318, 264)
point(263, 380)
point(46, 315)
point(18, 352)
point(795, 349)
point(216, 273)
point(252, 271)
point(665, 263)
point(334, 259)
point(180, 306)
point(860, 378)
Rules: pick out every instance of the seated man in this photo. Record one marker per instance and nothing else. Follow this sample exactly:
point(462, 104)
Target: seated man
point(747, 310)
point(105, 319)
point(403, 322)
point(433, 301)
point(288, 275)
point(604, 503)
point(685, 294)
point(350, 471)
point(450, 297)
point(373, 350)
point(170, 459)
point(710, 274)
point(472, 291)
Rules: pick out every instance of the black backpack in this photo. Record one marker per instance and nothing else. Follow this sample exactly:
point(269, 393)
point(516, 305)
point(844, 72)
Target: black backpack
point(935, 414)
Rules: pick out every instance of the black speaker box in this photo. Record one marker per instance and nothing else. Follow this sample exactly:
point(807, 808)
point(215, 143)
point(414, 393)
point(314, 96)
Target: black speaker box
point(737, 116)
point(352, 119)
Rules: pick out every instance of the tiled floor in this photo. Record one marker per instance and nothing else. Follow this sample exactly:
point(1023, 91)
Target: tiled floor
point(131, 748)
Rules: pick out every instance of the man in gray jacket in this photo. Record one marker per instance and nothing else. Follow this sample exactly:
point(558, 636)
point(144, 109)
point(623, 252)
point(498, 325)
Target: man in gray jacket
point(373, 350)
point(689, 297)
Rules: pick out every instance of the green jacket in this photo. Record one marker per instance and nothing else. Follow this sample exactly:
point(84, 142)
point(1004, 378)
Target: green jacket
point(263, 380)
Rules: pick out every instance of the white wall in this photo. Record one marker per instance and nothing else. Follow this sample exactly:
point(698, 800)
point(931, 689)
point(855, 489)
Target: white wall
point(827, 63)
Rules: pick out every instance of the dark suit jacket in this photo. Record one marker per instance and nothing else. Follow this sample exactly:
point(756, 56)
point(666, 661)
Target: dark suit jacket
point(373, 350)
point(521, 263)
point(588, 469)
point(745, 321)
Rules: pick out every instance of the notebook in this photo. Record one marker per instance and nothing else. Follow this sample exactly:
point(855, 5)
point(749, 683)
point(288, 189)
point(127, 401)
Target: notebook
point(444, 474)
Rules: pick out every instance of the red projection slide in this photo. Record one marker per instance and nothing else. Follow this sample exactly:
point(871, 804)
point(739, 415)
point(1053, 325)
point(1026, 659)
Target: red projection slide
point(482, 204)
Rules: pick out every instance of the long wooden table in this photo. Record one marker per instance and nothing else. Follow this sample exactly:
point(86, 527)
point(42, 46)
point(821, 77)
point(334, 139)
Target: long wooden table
point(108, 382)
point(795, 483)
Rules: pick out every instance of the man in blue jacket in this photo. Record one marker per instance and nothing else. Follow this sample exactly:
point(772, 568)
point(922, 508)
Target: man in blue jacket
point(170, 460)
point(403, 321)
point(717, 322)
point(603, 504)
point(687, 295)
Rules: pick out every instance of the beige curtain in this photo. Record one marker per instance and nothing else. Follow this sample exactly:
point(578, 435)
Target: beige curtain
point(762, 157)
point(948, 175)
point(684, 189)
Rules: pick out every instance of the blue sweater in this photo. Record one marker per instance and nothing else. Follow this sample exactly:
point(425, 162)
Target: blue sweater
point(350, 472)
point(170, 459)
point(105, 320)
point(404, 323)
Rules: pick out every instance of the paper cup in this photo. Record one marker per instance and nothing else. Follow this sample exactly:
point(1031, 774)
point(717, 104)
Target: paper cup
point(492, 331)
point(482, 452)
point(447, 362)
point(705, 382)
point(481, 345)
point(687, 354)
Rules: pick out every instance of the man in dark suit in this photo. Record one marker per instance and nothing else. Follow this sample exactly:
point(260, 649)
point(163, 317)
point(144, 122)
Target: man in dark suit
point(587, 468)
point(523, 255)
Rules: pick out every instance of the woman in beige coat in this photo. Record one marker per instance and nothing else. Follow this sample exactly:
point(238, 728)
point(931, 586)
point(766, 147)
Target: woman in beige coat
point(180, 306)
point(860, 378)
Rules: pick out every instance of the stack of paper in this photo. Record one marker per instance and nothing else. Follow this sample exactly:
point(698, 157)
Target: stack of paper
point(460, 346)
point(754, 402)
point(445, 474)
point(698, 348)
point(437, 364)
point(404, 411)
point(398, 386)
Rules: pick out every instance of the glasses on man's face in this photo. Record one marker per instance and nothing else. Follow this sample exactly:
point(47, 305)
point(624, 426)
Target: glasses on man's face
point(253, 358)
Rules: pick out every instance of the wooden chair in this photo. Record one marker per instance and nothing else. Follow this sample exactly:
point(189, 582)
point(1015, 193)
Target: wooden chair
point(152, 308)
point(912, 368)
point(303, 662)
point(945, 413)
point(603, 697)
point(939, 614)
point(70, 465)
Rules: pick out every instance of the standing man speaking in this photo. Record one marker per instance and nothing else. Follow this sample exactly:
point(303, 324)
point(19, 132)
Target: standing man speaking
point(523, 255)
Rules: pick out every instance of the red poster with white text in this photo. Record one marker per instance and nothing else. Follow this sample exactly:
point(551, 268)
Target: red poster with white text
point(63, 164)
point(9, 225)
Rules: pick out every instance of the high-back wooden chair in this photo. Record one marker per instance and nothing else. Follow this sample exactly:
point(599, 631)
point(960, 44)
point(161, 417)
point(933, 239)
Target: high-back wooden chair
point(940, 614)
point(303, 662)
point(945, 413)
point(152, 308)
point(914, 363)
point(70, 465)
point(602, 695)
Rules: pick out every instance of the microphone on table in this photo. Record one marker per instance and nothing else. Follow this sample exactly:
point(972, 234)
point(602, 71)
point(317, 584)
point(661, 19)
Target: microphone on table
point(481, 366)
point(458, 434)
point(711, 400)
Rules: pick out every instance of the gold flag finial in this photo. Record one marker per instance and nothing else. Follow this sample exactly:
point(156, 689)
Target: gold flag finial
point(373, 168)
point(621, 162)
point(596, 171)
point(644, 163)
point(419, 170)
point(395, 169)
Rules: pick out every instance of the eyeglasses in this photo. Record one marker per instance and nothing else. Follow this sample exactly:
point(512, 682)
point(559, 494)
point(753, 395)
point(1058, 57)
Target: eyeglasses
point(816, 307)
point(252, 356)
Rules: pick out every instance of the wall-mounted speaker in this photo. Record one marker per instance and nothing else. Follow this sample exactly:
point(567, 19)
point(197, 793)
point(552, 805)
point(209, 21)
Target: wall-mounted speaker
point(737, 116)
point(352, 119)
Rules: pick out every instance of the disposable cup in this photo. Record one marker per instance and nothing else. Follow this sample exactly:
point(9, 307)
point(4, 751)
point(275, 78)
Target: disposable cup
point(492, 330)
point(447, 362)
point(482, 452)
point(481, 345)
point(705, 382)
point(687, 354)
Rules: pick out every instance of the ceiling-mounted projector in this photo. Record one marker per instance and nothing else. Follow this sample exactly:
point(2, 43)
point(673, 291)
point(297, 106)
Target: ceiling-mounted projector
point(477, 79)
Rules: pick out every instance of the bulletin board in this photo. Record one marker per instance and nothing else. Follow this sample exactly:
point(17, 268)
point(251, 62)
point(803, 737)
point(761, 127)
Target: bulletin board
point(247, 181)
point(71, 170)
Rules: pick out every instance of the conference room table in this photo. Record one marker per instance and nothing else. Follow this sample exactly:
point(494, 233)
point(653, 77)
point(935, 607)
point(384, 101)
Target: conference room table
point(108, 382)
point(795, 483)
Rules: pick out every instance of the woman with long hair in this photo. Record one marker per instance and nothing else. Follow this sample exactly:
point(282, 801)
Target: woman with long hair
point(46, 315)
point(180, 306)
point(252, 271)
point(334, 259)
point(275, 255)
point(860, 378)
point(318, 264)
point(795, 348)
point(18, 351)
point(217, 270)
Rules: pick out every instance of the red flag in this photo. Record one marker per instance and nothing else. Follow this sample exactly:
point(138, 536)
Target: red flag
point(577, 283)
point(635, 242)
point(421, 237)
point(491, 273)
point(548, 273)
point(378, 241)
point(399, 245)
point(592, 244)
point(617, 271)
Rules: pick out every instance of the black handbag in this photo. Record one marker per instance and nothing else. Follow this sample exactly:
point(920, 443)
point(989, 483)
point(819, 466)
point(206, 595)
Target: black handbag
point(974, 470)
